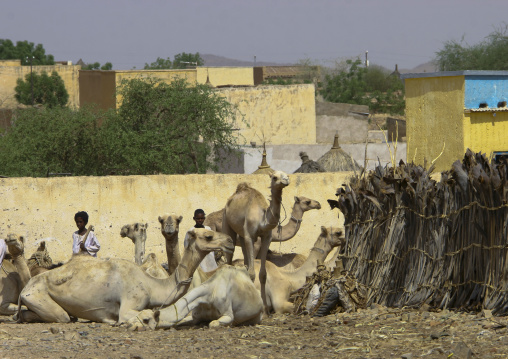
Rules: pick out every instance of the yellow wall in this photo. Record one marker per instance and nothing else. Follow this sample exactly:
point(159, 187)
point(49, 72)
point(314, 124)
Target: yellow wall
point(485, 132)
point(278, 114)
point(10, 74)
point(44, 208)
point(10, 62)
point(434, 116)
point(226, 76)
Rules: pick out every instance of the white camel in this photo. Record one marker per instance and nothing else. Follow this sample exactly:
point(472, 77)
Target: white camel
point(112, 290)
point(228, 298)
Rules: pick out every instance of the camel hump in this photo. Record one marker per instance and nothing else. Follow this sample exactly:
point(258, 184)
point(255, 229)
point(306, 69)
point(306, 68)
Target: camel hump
point(244, 186)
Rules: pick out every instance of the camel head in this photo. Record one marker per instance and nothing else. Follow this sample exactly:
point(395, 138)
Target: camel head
point(330, 238)
point(205, 241)
point(170, 224)
point(135, 231)
point(279, 180)
point(306, 204)
point(15, 244)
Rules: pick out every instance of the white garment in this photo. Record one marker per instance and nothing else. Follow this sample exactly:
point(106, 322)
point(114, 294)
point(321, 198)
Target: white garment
point(3, 250)
point(208, 263)
point(91, 243)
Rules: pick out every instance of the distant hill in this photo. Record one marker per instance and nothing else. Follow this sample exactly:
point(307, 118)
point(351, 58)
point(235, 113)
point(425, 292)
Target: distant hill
point(214, 60)
point(425, 67)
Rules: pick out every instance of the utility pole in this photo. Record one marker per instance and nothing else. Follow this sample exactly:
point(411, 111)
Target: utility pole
point(31, 77)
point(366, 59)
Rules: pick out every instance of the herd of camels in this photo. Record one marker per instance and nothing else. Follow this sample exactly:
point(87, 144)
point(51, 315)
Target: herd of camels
point(145, 294)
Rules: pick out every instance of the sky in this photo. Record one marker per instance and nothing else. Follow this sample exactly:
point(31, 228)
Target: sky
point(130, 33)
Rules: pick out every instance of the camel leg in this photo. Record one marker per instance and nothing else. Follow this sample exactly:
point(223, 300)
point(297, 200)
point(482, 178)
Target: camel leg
point(265, 244)
point(43, 306)
point(179, 311)
point(226, 229)
point(248, 255)
point(225, 320)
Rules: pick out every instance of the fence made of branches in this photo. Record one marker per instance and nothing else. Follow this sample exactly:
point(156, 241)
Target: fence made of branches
point(413, 240)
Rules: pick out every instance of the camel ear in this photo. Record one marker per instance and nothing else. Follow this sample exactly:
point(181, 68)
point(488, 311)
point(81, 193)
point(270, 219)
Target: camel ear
point(179, 219)
point(136, 226)
point(146, 225)
point(160, 219)
point(297, 199)
point(324, 231)
point(22, 239)
point(156, 315)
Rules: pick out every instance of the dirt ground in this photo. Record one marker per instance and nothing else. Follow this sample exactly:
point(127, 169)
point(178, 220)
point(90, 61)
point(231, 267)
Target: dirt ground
point(373, 333)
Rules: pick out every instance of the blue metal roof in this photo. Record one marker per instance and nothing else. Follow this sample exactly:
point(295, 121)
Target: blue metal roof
point(454, 73)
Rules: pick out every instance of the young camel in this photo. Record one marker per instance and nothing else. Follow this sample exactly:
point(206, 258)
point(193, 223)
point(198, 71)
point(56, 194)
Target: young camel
point(248, 216)
point(112, 290)
point(281, 283)
point(228, 298)
point(170, 226)
point(14, 274)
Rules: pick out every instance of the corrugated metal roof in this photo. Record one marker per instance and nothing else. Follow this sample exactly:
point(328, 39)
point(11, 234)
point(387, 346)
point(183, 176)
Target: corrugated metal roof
point(487, 109)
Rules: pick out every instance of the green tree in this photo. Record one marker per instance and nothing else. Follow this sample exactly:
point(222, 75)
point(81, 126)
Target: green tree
point(489, 54)
point(182, 60)
point(172, 128)
point(159, 64)
point(47, 90)
point(58, 140)
point(372, 86)
point(26, 52)
point(348, 85)
point(97, 66)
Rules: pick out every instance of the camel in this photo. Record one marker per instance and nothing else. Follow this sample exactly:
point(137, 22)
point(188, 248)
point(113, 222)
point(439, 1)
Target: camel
point(170, 225)
point(112, 290)
point(14, 274)
point(248, 216)
point(228, 298)
point(279, 234)
point(281, 283)
point(137, 233)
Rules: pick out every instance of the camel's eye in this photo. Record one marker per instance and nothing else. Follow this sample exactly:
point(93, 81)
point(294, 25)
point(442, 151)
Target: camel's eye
point(146, 321)
point(209, 238)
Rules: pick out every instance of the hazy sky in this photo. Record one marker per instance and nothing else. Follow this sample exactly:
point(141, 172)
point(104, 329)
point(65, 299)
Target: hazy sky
point(130, 33)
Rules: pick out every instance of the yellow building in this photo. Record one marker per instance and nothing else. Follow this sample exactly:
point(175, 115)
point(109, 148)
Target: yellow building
point(455, 110)
point(11, 71)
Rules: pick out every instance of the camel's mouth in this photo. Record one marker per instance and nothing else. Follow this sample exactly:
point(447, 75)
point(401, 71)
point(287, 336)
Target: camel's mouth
point(226, 249)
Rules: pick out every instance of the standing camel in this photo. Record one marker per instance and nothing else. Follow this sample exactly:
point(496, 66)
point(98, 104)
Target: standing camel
point(248, 216)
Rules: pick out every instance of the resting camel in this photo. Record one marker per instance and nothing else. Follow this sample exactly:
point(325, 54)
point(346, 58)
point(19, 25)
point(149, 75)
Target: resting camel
point(112, 290)
point(281, 283)
point(228, 298)
point(248, 216)
point(14, 274)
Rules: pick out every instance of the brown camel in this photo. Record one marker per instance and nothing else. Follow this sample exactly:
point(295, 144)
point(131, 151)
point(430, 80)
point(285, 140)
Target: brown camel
point(170, 226)
point(112, 290)
point(248, 216)
point(14, 274)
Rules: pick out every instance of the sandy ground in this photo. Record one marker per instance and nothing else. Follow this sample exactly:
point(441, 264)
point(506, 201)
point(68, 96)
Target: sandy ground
point(373, 333)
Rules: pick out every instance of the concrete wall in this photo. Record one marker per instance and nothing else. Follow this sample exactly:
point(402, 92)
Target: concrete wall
point(286, 157)
point(226, 76)
point(434, 116)
point(44, 208)
point(350, 121)
point(277, 114)
point(9, 74)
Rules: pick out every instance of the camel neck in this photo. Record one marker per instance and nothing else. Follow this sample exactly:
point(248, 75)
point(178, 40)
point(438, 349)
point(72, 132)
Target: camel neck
point(319, 252)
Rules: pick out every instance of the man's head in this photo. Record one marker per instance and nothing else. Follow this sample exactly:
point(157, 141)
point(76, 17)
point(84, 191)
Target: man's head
point(199, 218)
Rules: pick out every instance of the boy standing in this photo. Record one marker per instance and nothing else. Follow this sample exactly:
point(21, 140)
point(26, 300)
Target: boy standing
point(90, 244)
point(208, 263)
